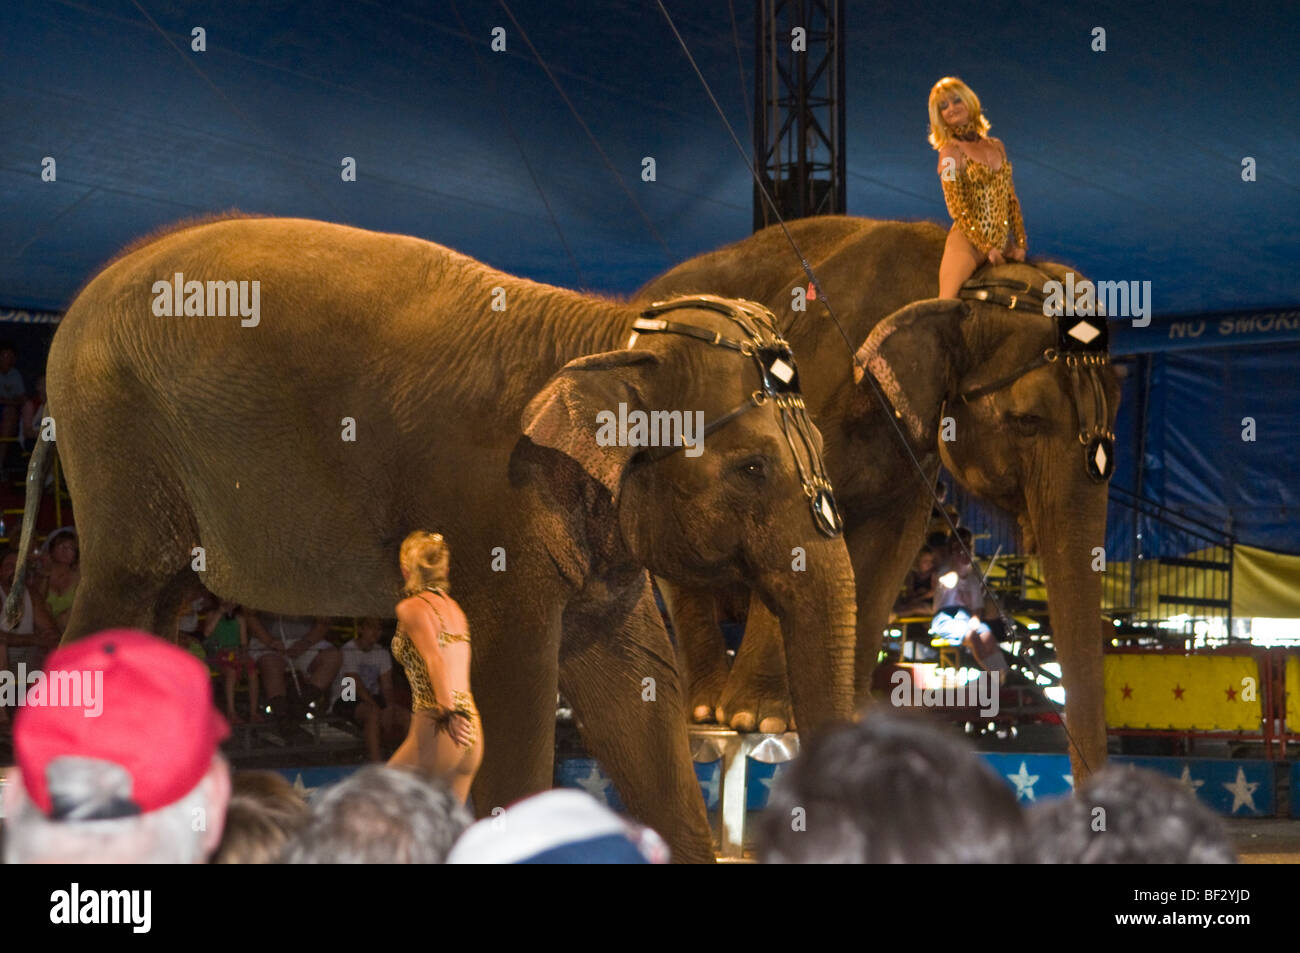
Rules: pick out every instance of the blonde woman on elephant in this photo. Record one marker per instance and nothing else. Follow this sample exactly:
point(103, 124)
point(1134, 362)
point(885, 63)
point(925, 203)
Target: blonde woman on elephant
point(445, 739)
point(976, 177)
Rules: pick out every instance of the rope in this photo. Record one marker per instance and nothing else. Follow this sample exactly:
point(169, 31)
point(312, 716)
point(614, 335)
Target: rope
point(596, 145)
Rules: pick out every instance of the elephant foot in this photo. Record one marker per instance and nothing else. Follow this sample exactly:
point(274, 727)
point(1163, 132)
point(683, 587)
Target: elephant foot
point(705, 693)
point(758, 705)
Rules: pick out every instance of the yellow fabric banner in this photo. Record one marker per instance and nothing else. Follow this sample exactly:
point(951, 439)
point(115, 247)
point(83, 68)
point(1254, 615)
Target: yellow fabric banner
point(1265, 584)
point(1209, 692)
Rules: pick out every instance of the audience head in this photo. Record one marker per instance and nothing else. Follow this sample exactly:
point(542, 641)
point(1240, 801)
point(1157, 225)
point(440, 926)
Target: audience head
point(264, 813)
point(61, 545)
point(425, 561)
point(8, 356)
point(368, 632)
point(562, 826)
point(121, 763)
point(379, 815)
point(891, 788)
point(925, 560)
point(1128, 815)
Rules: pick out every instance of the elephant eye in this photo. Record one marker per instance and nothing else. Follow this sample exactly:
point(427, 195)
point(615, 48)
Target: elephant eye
point(1027, 425)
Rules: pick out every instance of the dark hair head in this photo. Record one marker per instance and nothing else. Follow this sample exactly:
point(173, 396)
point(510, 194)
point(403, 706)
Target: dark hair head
point(937, 540)
point(7, 345)
point(380, 815)
point(263, 813)
point(1128, 815)
point(890, 789)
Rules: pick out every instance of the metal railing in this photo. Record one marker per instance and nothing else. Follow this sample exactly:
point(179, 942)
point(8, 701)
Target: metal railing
point(1168, 576)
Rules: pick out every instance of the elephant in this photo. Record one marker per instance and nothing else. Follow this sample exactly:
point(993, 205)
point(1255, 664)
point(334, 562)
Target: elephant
point(379, 383)
point(1017, 446)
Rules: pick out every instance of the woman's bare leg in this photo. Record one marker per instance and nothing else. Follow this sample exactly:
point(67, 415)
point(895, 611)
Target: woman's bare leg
point(960, 260)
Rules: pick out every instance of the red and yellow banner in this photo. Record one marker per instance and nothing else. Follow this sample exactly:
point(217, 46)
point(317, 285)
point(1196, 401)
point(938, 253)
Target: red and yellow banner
point(1207, 692)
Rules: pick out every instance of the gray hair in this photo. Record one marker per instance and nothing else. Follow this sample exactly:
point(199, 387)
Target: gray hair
point(1128, 815)
point(170, 835)
point(380, 815)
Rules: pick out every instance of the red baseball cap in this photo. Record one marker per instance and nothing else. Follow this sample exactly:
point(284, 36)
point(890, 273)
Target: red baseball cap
point(146, 706)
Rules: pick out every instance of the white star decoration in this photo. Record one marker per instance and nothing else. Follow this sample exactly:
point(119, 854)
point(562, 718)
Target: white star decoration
point(1187, 781)
point(767, 782)
point(827, 511)
point(1100, 458)
point(1024, 782)
point(594, 783)
point(301, 789)
point(781, 370)
point(1243, 792)
point(710, 787)
point(1083, 332)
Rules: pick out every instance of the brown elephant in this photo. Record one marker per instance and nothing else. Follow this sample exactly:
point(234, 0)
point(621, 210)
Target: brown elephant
point(1017, 445)
point(377, 385)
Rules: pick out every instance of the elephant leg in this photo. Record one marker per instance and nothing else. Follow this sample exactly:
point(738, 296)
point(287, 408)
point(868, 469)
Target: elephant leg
point(882, 553)
point(757, 694)
point(514, 686)
point(134, 576)
point(701, 650)
point(636, 728)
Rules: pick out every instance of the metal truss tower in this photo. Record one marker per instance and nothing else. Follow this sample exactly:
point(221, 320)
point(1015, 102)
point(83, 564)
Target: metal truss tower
point(799, 108)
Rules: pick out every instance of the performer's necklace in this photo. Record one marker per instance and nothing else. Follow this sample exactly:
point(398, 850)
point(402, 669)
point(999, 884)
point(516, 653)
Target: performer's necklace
point(966, 132)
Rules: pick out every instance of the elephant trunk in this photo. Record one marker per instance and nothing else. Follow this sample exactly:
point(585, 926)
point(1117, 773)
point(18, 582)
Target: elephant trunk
point(817, 610)
point(1070, 529)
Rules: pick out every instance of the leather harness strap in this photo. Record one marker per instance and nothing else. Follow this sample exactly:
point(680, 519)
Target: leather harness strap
point(1083, 366)
point(778, 384)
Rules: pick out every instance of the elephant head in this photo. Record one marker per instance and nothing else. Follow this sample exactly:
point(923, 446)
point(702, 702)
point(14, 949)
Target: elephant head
point(1023, 421)
point(740, 502)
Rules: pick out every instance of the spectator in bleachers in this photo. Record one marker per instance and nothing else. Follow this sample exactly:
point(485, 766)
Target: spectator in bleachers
point(127, 785)
point(959, 601)
point(57, 573)
point(12, 394)
point(35, 635)
point(265, 811)
point(380, 815)
point(1128, 815)
point(225, 640)
point(33, 409)
point(300, 641)
point(562, 826)
point(189, 628)
point(892, 789)
point(918, 587)
point(363, 692)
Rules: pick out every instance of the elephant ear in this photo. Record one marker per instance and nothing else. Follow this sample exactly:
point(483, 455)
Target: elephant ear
point(562, 416)
point(915, 354)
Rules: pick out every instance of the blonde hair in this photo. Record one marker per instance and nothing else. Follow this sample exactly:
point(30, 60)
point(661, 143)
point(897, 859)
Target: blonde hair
point(426, 559)
point(940, 131)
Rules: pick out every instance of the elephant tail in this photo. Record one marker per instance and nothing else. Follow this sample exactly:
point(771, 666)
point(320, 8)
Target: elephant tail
point(37, 470)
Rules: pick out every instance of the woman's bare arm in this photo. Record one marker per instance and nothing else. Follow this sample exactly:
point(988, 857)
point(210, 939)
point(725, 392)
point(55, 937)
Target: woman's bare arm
point(420, 628)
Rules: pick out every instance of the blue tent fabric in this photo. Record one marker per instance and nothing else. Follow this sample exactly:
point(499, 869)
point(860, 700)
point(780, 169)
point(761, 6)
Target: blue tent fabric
point(1199, 460)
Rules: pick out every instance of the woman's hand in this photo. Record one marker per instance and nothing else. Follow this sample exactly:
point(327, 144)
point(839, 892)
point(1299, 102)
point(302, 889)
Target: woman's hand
point(460, 728)
point(1016, 253)
point(995, 257)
